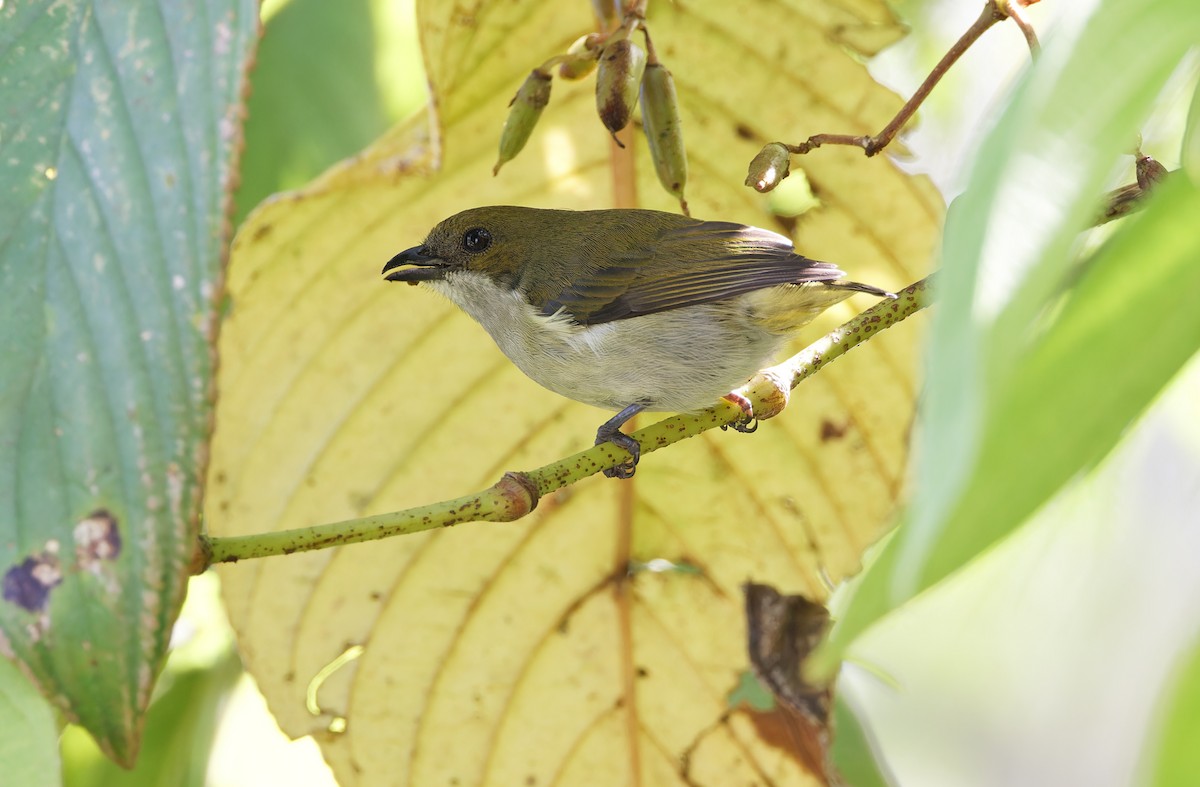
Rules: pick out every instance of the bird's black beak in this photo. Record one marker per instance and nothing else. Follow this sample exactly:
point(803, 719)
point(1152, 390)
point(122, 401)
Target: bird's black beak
point(427, 268)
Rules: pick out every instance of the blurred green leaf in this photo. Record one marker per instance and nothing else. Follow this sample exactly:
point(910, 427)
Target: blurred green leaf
point(1178, 759)
point(180, 727)
point(28, 755)
point(328, 79)
point(117, 134)
point(1026, 389)
point(1048, 660)
point(1093, 372)
point(1190, 150)
point(181, 723)
point(852, 753)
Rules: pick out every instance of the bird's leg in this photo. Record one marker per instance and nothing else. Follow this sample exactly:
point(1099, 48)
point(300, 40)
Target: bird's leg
point(610, 432)
point(749, 423)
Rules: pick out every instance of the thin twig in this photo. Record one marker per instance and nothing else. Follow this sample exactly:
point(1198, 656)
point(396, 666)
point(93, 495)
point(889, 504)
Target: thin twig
point(992, 13)
point(516, 494)
point(1016, 12)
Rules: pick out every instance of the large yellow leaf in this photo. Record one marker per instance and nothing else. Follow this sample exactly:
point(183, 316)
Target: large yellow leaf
point(547, 650)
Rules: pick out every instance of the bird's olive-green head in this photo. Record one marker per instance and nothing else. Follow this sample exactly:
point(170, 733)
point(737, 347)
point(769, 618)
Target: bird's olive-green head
point(540, 252)
point(486, 240)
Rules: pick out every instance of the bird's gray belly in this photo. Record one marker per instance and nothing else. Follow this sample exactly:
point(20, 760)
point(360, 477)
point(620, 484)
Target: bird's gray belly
point(677, 361)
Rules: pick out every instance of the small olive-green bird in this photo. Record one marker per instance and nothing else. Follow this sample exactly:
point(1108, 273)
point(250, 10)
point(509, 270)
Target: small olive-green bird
point(627, 310)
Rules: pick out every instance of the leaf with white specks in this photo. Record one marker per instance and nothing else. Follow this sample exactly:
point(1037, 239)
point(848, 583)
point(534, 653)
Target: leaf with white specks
point(118, 130)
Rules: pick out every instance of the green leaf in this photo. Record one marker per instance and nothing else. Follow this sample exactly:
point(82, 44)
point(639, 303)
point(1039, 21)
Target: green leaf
point(181, 722)
point(317, 90)
point(1024, 392)
point(852, 751)
point(1178, 759)
point(1092, 374)
point(28, 754)
point(180, 726)
point(117, 139)
point(1190, 149)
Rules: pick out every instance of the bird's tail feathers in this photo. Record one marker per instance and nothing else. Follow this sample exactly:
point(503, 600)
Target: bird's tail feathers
point(855, 286)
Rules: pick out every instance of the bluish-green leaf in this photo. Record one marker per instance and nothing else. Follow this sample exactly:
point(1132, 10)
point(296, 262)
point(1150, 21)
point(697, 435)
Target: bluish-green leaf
point(118, 128)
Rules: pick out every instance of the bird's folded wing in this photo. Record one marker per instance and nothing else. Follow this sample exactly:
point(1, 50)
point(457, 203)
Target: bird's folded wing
point(693, 264)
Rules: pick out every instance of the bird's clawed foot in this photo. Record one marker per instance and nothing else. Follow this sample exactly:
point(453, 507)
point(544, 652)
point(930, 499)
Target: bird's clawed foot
point(748, 424)
point(621, 440)
point(610, 432)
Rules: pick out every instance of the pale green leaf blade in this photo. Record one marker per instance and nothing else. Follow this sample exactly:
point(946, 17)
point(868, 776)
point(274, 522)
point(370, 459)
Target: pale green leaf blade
point(28, 747)
point(1123, 332)
point(1009, 238)
point(1127, 327)
point(854, 754)
point(1190, 149)
point(1020, 400)
point(1060, 647)
point(1177, 758)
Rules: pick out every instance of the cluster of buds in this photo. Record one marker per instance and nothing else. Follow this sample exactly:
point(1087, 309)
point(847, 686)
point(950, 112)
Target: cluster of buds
point(624, 69)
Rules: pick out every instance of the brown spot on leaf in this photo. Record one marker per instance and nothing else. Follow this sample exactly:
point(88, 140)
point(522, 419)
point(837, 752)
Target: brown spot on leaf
point(782, 632)
point(832, 431)
point(780, 729)
point(97, 538)
point(28, 584)
point(745, 132)
point(262, 232)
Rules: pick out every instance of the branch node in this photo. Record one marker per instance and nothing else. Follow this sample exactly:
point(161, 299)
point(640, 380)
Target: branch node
point(770, 389)
point(518, 494)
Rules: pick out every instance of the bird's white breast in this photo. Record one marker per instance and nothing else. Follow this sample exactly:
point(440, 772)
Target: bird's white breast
point(679, 360)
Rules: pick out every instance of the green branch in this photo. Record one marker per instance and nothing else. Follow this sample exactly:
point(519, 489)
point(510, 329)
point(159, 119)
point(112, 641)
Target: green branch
point(516, 494)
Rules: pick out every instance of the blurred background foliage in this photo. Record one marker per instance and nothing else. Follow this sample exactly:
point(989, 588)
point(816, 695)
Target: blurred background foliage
point(329, 79)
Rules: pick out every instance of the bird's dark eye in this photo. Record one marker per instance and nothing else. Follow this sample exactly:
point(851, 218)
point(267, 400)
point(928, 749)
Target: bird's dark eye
point(476, 240)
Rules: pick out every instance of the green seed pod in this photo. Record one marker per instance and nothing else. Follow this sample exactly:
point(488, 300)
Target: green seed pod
point(664, 133)
point(769, 167)
point(581, 57)
point(621, 65)
point(525, 109)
